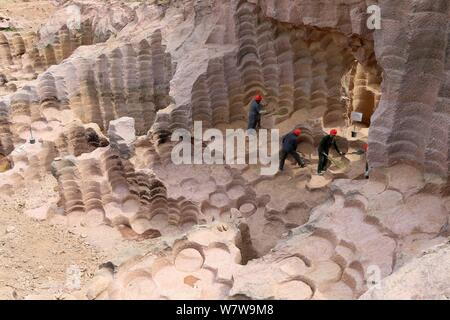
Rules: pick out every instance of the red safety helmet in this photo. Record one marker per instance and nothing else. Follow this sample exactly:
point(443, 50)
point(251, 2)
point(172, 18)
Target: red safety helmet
point(333, 132)
point(297, 132)
point(258, 98)
point(366, 146)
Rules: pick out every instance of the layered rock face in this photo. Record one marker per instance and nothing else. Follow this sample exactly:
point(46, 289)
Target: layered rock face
point(347, 16)
point(96, 21)
point(104, 188)
point(95, 108)
point(289, 69)
point(408, 26)
point(295, 68)
point(196, 267)
point(23, 52)
point(126, 81)
point(410, 123)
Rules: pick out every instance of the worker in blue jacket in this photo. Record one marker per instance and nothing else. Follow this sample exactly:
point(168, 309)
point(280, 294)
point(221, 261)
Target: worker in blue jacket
point(290, 143)
point(254, 117)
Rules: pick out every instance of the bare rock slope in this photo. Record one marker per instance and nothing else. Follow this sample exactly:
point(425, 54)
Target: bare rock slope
point(88, 102)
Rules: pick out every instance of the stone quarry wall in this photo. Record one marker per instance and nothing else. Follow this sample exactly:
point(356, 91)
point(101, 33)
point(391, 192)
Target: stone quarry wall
point(346, 16)
point(167, 65)
point(23, 51)
point(411, 123)
point(125, 81)
point(296, 66)
point(104, 188)
point(293, 69)
point(279, 50)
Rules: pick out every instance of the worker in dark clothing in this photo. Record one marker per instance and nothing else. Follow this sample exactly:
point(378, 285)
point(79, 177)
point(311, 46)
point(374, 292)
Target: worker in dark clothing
point(324, 148)
point(254, 117)
point(290, 143)
point(366, 149)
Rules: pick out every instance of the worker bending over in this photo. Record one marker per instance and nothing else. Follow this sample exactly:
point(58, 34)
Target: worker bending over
point(324, 149)
point(254, 117)
point(366, 149)
point(290, 143)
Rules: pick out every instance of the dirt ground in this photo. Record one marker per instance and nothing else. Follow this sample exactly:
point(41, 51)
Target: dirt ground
point(40, 259)
point(52, 256)
point(56, 258)
point(28, 15)
point(37, 258)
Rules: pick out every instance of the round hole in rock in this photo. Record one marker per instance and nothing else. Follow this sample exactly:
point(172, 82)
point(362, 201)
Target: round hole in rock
point(130, 205)
point(247, 209)
point(219, 199)
point(141, 288)
point(294, 290)
point(297, 215)
point(189, 260)
point(159, 220)
point(190, 185)
point(293, 266)
point(236, 191)
point(188, 225)
point(94, 217)
point(121, 189)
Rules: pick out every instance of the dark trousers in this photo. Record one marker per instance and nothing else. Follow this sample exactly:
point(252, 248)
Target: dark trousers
point(294, 154)
point(323, 162)
point(254, 123)
point(366, 174)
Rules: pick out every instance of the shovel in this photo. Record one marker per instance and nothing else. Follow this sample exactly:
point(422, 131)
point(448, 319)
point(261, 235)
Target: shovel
point(338, 164)
point(359, 152)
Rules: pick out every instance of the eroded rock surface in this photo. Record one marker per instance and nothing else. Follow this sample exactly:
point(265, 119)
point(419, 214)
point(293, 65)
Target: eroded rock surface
point(90, 98)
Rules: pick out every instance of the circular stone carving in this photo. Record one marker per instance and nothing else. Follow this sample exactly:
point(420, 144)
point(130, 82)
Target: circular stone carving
point(247, 208)
point(189, 260)
point(294, 290)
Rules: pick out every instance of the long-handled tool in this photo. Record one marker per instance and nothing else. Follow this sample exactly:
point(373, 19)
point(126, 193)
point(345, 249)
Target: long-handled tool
point(359, 152)
point(334, 162)
point(340, 165)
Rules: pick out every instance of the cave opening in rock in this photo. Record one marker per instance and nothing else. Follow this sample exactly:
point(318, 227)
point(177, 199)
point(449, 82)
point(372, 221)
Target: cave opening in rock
point(361, 91)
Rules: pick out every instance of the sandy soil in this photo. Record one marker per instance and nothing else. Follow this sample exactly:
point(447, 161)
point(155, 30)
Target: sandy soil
point(37, 258)
point(28, 15)
point(42, 259)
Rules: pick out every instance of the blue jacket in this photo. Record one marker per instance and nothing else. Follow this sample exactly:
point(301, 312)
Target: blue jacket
point(290, 142)
point(254, 115)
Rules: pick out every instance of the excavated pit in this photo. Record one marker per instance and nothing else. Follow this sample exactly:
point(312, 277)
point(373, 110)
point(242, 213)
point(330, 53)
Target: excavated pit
point(310, 78)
